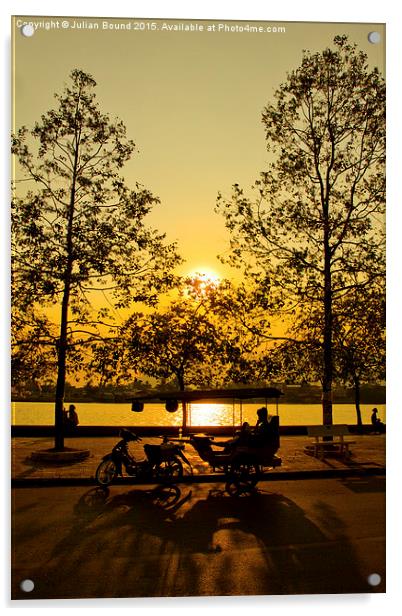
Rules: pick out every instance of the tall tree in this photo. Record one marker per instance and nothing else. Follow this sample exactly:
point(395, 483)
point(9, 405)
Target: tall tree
point(315, 228)
point(79, 233)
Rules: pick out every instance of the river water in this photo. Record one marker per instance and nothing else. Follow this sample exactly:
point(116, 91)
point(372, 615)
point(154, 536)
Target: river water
point(205, 414)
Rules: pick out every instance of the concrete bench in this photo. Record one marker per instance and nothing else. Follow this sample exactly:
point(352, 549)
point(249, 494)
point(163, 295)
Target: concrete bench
point(321, 447)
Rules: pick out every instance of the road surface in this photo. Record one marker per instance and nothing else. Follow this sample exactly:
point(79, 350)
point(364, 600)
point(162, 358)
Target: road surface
point(292, 537)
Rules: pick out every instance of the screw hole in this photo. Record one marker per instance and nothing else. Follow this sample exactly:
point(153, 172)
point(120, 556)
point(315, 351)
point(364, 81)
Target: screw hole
point(374, 37)
point(374, 579)
point(27, 585)
point(27, 30)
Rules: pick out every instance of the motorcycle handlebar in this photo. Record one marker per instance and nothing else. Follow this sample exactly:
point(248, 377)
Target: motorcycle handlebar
point(127, 436)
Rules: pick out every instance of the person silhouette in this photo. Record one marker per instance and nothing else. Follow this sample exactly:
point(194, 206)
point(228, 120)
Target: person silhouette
point(378, 425)
point(72, 417)
point(262, 419)
point(241, 438)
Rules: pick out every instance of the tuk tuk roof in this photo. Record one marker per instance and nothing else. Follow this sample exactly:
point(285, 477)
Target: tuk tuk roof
point(212, 394)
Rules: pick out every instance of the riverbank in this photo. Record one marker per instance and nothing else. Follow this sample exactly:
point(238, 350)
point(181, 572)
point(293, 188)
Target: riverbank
point(153, 431)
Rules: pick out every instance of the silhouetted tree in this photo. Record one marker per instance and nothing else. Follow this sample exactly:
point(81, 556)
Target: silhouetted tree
point(106, 364)
point(33, 352)
point(188, 339)
point(175, 341)
point(245, 314)
point(80, 230)
point(314, 231)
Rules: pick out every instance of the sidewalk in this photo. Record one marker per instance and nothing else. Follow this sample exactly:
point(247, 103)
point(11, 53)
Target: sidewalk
point(368, 457)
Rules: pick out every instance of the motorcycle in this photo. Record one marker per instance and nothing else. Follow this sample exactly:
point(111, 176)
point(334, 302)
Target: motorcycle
point(162, 463)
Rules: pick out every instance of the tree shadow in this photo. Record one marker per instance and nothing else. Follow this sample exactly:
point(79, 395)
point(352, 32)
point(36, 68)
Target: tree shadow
point(161, 542)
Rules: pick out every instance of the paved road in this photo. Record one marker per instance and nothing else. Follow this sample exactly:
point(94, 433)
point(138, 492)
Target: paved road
point(311, 536)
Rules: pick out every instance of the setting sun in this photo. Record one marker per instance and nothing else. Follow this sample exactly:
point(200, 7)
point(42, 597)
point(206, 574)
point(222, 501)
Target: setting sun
point(203, 282)
point(206, 275)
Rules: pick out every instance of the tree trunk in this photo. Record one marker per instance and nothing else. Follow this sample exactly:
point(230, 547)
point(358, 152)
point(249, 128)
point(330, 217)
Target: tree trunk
point(327, 334)
point(180, 379)
point(184, 410)
point(61, 359)
point(61, 372)
point(357, 403)
point(62, 342)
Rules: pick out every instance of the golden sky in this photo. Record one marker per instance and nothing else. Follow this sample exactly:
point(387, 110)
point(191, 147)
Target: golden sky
point(191, 101)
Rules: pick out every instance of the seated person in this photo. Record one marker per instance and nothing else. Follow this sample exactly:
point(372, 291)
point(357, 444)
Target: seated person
point(70, 418)
point(262, 425)
point(245, 430)
point(242, 438)
point(265, 434)
point(378, 425)
point(266, 431)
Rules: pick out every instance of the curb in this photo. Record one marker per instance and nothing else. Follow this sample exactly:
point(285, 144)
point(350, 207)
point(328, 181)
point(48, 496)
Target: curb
point(44, 482)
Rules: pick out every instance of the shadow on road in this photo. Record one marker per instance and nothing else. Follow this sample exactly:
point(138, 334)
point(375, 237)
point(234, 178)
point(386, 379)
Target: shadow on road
point(172, 542)
point(364, 484)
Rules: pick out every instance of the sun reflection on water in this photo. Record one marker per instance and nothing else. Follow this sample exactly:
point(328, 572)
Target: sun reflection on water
point(210, 414)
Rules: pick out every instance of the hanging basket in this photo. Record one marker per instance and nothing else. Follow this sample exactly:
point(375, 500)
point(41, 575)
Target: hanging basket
point(137, 406)
point(171, 406)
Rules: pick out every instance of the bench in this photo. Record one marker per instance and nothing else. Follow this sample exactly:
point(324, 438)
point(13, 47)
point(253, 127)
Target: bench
point(321, 448)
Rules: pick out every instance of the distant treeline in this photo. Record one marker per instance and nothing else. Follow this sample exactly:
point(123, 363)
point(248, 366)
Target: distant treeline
point(369, 394)
point(303, 394)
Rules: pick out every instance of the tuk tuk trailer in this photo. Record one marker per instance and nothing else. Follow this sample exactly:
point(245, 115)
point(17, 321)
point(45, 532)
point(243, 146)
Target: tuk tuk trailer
point(242, 459)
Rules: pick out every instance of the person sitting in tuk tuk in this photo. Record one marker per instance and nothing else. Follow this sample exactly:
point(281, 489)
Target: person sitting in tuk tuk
point(264, 434)
point(266, 431)
point(263, 431)
point(241, 438)
point(262, 425)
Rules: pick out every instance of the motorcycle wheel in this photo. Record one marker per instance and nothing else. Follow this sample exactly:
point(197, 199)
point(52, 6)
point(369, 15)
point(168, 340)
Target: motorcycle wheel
point(242, 478)
point(169, 470)
point(105, 473)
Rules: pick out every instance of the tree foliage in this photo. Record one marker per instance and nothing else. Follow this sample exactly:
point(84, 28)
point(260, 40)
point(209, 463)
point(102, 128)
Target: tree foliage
point(33, 352)
point(187, 339)
point(314, 229)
